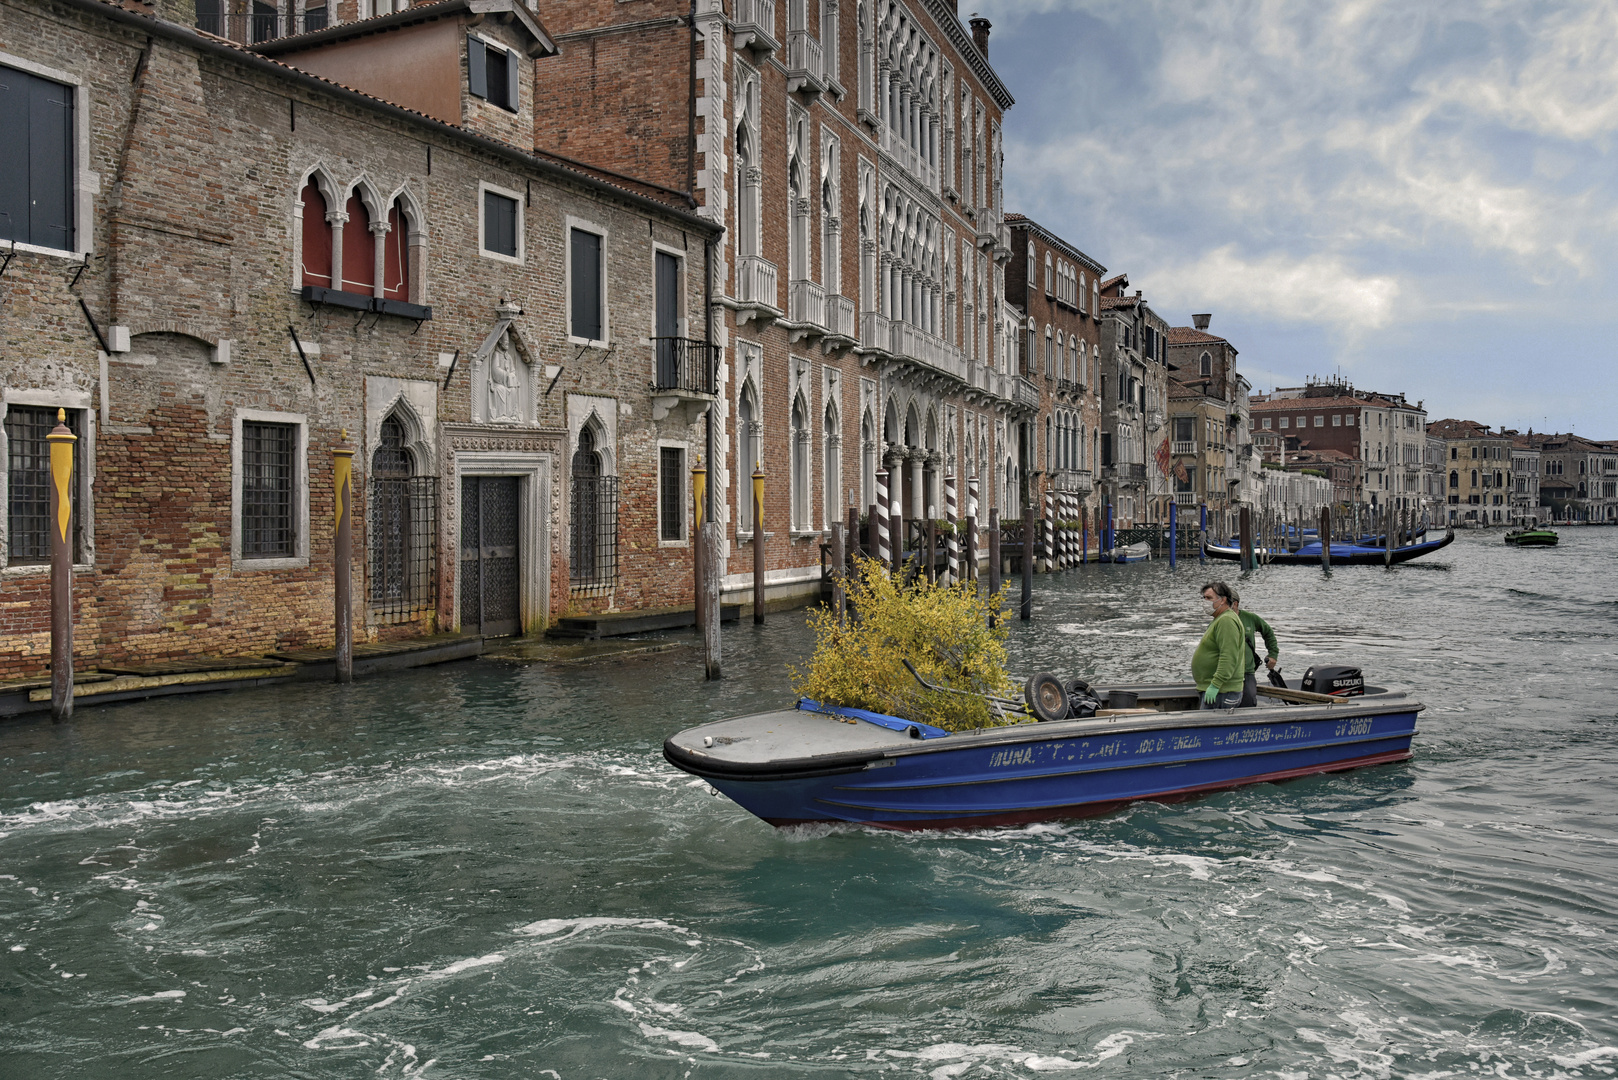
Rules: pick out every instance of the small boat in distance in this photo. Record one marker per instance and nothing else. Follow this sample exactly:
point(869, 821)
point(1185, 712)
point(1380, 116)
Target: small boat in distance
point(1128, 553)
point(823, 763)
point(1534, 537)
point(1342, 553)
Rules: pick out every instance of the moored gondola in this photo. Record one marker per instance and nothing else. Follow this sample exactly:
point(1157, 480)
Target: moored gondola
point(1341, 554)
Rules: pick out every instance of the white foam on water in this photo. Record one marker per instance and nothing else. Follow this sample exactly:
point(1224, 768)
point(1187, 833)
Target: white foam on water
point(1586, 1058)
point(691, 1040)
point(548, 927)
point(161, 995)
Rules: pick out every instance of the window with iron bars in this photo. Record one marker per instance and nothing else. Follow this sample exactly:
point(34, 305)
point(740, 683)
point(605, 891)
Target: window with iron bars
point(268, 495)
point(404, 521)
point(28, 477)
point(593, 535)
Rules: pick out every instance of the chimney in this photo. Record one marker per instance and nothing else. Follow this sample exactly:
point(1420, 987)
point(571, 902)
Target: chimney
point(980, 34)
point(1201, 322)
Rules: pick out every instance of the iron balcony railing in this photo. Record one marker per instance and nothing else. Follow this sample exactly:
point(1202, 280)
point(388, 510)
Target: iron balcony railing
point(757, 282)
point(686, 364)
point(806, 303)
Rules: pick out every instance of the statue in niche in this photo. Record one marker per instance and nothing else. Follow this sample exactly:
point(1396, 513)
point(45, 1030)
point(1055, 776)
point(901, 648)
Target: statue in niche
point(505, 393)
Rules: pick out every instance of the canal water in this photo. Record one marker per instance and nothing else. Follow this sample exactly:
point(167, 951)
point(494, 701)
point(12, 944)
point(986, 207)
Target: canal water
point(487, 870)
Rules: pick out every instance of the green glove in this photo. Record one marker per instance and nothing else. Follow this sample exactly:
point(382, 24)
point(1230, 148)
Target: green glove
point(1211, 694)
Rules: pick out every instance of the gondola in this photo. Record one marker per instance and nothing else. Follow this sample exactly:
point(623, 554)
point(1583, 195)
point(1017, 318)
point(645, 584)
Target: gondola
point(1342, 554)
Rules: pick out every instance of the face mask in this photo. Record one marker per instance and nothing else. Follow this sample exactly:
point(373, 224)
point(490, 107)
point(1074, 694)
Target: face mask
point(1208, 608)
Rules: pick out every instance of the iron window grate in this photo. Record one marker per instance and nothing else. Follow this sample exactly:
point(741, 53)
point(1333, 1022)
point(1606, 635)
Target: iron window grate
point(28, 476)
point(268, 530)
point(593, 554)
point(404, 522)
point(671, 516)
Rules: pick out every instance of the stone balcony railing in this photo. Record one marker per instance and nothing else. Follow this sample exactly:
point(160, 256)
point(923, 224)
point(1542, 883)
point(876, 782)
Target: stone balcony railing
point(1185, 498)
point(806, 63)
point(1027, 392)
point(758, 291)
point(841, 321)
point(806, 306)
point(754, 24)
point(1076, 480)
point(1179, 447)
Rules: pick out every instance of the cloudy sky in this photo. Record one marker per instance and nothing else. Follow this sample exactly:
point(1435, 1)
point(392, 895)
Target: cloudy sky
point(1420, 196)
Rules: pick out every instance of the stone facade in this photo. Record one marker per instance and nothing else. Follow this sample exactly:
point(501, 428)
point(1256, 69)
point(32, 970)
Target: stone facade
point(1134, 387)
point(1056, 291)
point(194, 157)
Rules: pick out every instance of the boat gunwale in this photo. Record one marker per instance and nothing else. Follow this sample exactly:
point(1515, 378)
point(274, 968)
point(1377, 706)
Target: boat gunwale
point(703, 765)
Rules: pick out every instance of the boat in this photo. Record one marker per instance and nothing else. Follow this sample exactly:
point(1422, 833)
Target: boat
point(1128, 553)
point(1342, 554)
point(1532, 537)
point(822, 763)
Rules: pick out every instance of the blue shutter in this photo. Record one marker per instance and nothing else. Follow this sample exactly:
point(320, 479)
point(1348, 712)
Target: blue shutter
point(513, 81)
point(477, 57)
point(14, 112)
point(50, 165)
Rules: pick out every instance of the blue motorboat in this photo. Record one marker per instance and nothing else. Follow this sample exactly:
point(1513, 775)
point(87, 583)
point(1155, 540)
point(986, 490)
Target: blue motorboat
point(819, 763)
point(1341, 554)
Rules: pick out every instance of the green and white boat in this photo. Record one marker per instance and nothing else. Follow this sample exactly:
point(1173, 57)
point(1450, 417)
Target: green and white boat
point(1532, 537)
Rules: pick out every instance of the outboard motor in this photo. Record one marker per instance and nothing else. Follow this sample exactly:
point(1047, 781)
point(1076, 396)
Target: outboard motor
point(1334, 680)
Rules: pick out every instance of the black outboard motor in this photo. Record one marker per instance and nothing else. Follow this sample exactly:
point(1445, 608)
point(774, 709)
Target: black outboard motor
point(1334, 680)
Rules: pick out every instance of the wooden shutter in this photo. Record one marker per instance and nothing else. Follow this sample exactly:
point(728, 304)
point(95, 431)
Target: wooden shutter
point(36, 170)
point(477, 78)
point(585, 281)
point(513, 81)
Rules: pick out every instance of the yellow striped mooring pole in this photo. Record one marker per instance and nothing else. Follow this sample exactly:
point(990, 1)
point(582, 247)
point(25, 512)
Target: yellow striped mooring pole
point(61, 441)
point(343, 489)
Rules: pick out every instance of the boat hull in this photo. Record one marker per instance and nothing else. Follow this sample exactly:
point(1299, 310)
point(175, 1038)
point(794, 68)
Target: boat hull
point(1068, 769)
point(1536, 538)
point(1341, 554)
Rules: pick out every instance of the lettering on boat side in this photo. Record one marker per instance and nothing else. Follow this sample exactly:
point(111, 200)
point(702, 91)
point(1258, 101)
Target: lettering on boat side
point(1355, 727)
point(1020, 756)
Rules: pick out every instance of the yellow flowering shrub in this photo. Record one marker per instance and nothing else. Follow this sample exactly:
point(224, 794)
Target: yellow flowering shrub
point(943, 630)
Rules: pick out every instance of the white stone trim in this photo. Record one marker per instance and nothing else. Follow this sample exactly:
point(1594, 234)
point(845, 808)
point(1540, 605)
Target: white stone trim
point(300, 508)
point(79, 401)
point(684, 447)
point(533, 470)
point(522, 224)
point(86, 183)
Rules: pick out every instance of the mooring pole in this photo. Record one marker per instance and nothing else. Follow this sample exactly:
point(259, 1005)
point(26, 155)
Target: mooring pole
point(994, 552)
point(896, 525)
point(1174, 532)
point(1325, 538)
point(758, 544)
point(1387, 538)
point(972, 531)
point(699, 489)
point(1028, 561)
point(1202, 535)
point(342, 552)
point(710, 539)
point(61, 442)
point(837, 562)
point(877, 524)
point(1245, 528)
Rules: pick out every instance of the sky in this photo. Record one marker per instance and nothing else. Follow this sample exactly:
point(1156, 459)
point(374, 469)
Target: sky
point(1420, 197)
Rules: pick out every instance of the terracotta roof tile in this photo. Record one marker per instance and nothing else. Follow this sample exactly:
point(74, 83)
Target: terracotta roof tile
point(1186, 335)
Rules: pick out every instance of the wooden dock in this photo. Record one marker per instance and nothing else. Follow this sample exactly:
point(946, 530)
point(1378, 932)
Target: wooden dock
point(374, 656)
point(624, 623)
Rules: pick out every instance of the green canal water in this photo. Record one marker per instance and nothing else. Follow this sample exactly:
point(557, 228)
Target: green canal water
point(487, 870)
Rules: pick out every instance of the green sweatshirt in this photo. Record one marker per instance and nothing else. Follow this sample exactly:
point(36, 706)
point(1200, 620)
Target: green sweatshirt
point(1218, 658)
point(1250, 624)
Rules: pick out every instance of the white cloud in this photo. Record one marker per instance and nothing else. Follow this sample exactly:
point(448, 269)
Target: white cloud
point(1318, 289)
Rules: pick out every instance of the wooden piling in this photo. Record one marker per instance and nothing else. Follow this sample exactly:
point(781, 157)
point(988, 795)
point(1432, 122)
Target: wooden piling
point(1325, 537)
point(699, 489)
point(838, 569)
point(1245, 528)
point(711, 541)
point(758, 545)
point(994, 551)
point(1028, 561)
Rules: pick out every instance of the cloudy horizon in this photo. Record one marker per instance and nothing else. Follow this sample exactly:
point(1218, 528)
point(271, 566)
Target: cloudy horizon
point(1419, 198)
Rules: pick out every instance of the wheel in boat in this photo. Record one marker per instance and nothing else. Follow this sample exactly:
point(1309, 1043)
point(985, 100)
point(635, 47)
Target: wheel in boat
point(1046, 697)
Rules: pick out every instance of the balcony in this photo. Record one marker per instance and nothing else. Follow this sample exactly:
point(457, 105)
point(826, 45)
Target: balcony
point(1179, 447)
point(876, 334)
point(1067, 388)
point(1185, 498)
point(1128, 472)
point(758, 293)
point(1027, 392)
point(988, 231)
point(806, 63)
point(842, 324)
point(1074, 480)
point(754, 24)
point(685, 377)
point(806, 308)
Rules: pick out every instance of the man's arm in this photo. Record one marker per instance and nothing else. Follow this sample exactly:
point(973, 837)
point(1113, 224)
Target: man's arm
point(1271, 646)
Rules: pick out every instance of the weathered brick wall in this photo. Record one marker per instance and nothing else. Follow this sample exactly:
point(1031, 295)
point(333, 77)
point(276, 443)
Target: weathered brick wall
point(195, 229)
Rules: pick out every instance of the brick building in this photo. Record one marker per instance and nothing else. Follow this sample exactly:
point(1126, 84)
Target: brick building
point(1056, 289)
point(1206, 423)
point(1134, 392)
point(853, 154)
point(279, 263)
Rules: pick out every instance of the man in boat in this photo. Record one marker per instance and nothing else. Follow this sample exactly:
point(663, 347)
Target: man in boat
point(1252, 627)
point(1218, 665)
